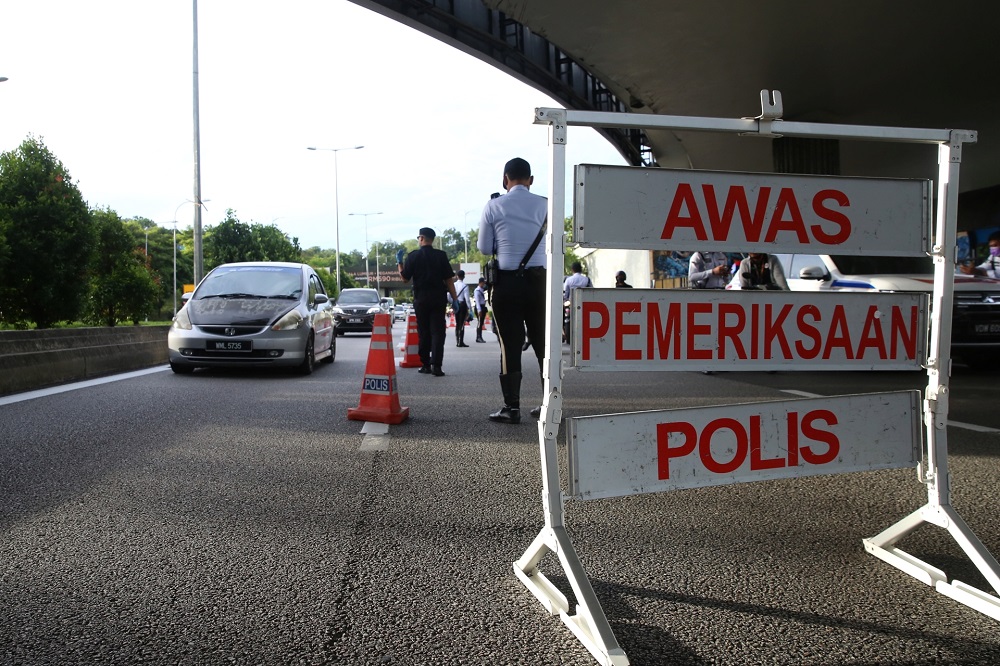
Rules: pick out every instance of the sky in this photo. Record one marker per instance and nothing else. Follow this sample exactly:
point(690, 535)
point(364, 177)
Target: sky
point(107, 85)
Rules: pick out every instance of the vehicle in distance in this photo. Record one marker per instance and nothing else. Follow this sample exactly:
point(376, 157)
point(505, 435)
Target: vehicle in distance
point(975, 335)
point(355, 310)
point(399, 313)
point(254, 314)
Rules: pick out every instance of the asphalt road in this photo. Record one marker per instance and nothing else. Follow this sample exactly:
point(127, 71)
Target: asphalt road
point(240, 518)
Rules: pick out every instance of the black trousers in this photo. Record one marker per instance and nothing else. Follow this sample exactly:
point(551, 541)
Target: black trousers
point(481, 317)
point(519, 304)
point(430, 330)
point(461, 315)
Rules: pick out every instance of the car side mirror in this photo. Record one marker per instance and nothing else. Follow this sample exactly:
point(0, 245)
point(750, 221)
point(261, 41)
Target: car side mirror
point(322, 298)
point(813, 273)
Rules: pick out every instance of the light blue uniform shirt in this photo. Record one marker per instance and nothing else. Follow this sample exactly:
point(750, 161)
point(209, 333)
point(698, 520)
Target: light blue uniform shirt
point(509, 226)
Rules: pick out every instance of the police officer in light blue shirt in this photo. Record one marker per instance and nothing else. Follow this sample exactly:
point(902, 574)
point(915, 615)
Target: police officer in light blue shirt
point(708, 270)
point(509, 225)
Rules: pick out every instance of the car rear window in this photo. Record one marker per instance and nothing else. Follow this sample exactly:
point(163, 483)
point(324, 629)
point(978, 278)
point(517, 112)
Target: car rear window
point(358, 297)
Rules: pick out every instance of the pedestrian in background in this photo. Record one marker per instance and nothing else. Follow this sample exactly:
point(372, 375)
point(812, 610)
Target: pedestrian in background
point(512, 226)
point(991, 267)
point(708, 270)
point(460, 306)
point(432, 276)
point(480, 297)
point(762, 271)
point(577, 279)
point(620, 282)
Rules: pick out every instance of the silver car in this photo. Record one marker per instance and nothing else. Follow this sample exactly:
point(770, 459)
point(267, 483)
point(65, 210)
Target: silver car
point(255, 314)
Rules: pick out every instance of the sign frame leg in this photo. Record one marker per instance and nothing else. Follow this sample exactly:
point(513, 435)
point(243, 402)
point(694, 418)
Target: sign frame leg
point(938, 510)
point(589, 624)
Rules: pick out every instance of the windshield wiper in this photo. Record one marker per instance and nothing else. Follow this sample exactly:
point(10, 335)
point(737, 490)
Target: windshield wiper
point(234, 296)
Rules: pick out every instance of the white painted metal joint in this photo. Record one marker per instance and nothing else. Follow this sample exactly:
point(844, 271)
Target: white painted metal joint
point(555, 119)
point(771, 110)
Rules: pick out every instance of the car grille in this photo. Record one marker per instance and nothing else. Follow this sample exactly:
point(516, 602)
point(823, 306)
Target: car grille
point(232, 331)
point(976, 319)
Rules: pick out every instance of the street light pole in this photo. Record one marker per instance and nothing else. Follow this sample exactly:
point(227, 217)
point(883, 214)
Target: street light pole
point(199, 264)
point(336, 202)
point(368, 278)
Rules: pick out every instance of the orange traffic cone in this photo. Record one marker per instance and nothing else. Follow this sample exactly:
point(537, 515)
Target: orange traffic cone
point(379, 397)
point(451, 320)
point(412, 345)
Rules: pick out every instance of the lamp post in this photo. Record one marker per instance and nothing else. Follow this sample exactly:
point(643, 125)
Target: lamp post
point(368, 279)
point(378, 280)
point(336, 203)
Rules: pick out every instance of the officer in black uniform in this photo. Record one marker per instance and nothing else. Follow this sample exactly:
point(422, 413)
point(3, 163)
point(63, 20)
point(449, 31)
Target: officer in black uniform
point(433, 282)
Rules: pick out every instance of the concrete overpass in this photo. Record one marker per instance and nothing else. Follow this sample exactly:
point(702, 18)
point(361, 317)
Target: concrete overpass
point(924, 63)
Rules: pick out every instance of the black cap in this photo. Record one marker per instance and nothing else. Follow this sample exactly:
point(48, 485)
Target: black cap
point(427, 232)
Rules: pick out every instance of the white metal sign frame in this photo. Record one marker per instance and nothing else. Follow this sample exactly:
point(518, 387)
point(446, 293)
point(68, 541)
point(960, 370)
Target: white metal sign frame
point(589, 623)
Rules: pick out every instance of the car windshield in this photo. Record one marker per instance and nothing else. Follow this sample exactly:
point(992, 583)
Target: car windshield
point(358, 298)
point(252, 282)
point(868, 265)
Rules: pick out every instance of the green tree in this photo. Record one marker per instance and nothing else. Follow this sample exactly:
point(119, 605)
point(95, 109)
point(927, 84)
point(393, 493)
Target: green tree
point(122, 285)
point(47, 239)
point(232, 240)
point(228, 242)
point(569, 255)
point(272, 244)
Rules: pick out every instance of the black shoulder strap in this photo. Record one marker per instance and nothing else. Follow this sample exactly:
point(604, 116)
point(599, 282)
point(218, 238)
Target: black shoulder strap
point(531, 250)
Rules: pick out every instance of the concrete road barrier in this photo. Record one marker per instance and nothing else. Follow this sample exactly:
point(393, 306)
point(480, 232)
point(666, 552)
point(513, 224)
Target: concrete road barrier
point(35, 359)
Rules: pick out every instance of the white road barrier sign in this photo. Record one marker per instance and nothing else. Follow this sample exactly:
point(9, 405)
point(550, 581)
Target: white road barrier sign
point(657, 329)
point(683, 209)
point(615, 455)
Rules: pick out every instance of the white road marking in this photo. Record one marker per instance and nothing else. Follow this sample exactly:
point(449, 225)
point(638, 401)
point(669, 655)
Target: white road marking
point(41, 393)
point(376, 436)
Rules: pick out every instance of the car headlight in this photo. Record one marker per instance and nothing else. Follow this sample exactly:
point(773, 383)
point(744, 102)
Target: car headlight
point(337, 310)
point(289, 322)
point(374, 310)
point(181, 320)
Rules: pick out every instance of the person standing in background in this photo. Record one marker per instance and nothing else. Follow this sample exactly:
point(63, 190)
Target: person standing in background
point(708, 270)
point(509, 226)
point(762, 271)
point(460, 306)
point(620, 282)
point(480, 300)
point(432, 276)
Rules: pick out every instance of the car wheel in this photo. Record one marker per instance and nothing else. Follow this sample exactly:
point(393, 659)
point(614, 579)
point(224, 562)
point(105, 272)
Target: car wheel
point(309, 360)
point(181, 369)
point(333, 351)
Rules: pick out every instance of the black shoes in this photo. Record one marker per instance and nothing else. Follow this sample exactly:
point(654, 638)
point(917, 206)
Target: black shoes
point(480, 340)
point(461, 344)
point(437, 371)
point(537, 412)
point(506, 415)
point(425, 370)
